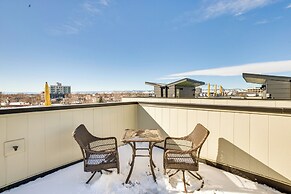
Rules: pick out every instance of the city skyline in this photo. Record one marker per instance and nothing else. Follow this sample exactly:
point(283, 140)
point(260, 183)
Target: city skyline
point(110, 45)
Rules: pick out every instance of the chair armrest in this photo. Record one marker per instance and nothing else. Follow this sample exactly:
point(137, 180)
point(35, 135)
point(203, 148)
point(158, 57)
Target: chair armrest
point(181, 151)
point(99, 152)
point(176, 138)
point(166, 143)
point(105, 138)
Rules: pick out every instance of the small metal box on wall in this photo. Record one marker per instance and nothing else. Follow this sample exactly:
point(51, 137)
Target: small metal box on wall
point(14, 147)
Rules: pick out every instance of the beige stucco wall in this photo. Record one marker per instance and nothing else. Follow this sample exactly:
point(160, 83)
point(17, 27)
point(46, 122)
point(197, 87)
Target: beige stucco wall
point(48, 141)
point(255, 142)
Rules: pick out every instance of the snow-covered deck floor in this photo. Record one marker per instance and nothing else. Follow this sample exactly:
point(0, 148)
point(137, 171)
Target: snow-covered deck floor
point(72, 180)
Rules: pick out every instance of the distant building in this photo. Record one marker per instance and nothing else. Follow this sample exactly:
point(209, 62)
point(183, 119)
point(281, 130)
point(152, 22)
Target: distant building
point(59, 91)
point(184, 88)
point(276, 87)
point(255, 90)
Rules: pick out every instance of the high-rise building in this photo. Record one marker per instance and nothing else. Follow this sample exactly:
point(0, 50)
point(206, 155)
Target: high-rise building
point(59, 91)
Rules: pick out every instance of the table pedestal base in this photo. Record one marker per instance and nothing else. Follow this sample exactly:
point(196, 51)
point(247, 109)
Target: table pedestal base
point(134, 155)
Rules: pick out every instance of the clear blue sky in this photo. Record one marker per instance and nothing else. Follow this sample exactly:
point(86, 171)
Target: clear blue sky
point(96, 45)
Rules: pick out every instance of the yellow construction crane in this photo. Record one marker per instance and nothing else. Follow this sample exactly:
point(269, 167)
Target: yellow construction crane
point(47, 98)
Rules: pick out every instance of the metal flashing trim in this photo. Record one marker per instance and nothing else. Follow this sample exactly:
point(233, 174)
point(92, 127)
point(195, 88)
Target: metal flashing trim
point(225, 107)
point(64, 107)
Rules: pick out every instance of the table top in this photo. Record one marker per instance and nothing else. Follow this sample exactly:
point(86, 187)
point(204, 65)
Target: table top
point(142, 135)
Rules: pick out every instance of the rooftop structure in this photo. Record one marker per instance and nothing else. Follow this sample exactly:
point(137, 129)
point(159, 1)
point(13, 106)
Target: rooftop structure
point(184, 88)
point(276, 87)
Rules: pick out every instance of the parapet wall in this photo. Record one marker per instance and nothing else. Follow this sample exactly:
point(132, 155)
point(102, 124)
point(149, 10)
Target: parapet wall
point(44, 135)
point(252, 136)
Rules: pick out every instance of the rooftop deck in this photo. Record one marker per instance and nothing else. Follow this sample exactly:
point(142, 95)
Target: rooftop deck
point(72, 180)
point(250, 138)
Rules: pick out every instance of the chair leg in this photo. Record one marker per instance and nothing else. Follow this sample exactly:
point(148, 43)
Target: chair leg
point(174, 173)
point(118, 163)
point(91, 177)
point(198, 176)
point(184, 181)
